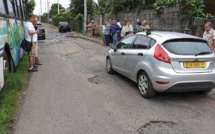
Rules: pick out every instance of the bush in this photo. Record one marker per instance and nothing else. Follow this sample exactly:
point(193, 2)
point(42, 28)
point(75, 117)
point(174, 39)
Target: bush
point(75, 21)
point(61, 17)
point(191, 8)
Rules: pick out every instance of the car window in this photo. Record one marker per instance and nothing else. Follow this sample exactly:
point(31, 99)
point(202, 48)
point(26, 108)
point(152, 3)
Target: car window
point(64, 23)
point(126, 43)
point(39, 25)
point(142, 42)
point(187, 47)
point(152, 43)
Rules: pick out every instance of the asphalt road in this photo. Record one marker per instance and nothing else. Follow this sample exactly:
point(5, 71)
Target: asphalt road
point(73, 94)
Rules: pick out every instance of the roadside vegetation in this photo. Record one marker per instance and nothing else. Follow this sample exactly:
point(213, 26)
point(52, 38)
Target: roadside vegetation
point(189, 8)
point(10, 93)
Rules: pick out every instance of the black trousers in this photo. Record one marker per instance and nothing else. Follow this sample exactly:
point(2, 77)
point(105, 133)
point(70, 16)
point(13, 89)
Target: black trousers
point(107, 38)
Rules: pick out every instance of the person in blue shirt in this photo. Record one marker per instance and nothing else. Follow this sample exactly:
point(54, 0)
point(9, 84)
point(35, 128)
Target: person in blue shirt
point(107, 33)
point(115, 31)
point(138, 20)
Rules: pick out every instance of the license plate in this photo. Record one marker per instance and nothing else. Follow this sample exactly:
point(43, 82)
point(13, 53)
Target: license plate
point(65, 26)
point(194, 64)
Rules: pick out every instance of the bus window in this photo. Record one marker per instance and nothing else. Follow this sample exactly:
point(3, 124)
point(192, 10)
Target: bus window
point(10, 8)
point(2, 8)
point(22, 9)
point(18, 8)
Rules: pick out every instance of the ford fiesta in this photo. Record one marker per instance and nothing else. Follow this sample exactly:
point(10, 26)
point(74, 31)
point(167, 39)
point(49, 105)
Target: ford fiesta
point(164, 62)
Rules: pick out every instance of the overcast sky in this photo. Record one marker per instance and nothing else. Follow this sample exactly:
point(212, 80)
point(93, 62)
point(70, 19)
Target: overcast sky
point(64, 3)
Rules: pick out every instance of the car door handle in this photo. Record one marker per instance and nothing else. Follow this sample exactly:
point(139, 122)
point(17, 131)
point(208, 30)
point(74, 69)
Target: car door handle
point(122, 53)
point(140, 54)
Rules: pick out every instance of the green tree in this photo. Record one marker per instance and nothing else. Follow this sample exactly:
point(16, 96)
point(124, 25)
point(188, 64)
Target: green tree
point(29, 6)
point(54, 9)
point(77, 7)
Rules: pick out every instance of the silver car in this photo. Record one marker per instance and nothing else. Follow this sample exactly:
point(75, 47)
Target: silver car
point(164, 62)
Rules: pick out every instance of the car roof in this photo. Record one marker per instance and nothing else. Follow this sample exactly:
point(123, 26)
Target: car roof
point(164, 36)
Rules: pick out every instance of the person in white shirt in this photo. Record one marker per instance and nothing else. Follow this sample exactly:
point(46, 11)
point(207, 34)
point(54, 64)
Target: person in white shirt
point(118, 23)
point(131, 30)
point(125, 29)
point(31, 36)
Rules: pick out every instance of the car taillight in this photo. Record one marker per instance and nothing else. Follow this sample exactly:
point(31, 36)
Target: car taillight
point(59, 26)
point(161, 55)
point(162, 83)
point(69, 25)
point(42, 28)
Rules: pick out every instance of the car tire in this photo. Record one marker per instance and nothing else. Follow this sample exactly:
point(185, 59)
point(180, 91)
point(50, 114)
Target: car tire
point(145, 86)
point(109, 68)
point(44, 37)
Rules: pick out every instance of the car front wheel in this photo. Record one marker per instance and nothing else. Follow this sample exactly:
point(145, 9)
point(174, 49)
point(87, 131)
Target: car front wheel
point(109, 68)
point(145, 86)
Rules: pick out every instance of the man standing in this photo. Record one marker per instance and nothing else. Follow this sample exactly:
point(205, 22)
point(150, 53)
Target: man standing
point(138, 20)
point(209, 35)
point(110, 36)
point(145, 25)
point(130, 28)
point(139, 28)
point(115, 30)
point(37, 62)
point(107, 33)
point(93, 27)
point(124, 29)
point(118, 23)
point(31, 36)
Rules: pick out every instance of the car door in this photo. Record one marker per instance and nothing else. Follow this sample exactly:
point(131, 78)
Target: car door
point(118, 56)
point(137, 53)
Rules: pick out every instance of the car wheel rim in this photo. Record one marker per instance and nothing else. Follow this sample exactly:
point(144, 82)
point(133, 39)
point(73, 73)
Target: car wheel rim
point(108, 65)
point(143, 84)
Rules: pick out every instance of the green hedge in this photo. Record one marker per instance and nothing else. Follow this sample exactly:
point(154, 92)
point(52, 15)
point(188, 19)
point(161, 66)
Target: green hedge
point(61, 17)
point(75, 21)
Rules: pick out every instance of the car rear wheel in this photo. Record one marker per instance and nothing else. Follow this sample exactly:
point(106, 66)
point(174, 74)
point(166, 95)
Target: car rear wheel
point(109, 68)
point(145, 86)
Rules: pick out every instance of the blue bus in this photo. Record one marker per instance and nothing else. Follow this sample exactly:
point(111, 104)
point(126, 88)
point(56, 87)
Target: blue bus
point(12, 21)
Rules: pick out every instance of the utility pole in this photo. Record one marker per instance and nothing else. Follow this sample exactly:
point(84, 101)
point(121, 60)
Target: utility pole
point(48, 9)
point(58, 6)
point(85, 15)
point(45, 7)
point(40, 7)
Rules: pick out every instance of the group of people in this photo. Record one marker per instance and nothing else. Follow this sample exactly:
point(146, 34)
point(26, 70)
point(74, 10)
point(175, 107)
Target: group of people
point(32, 37)
point(113, 30)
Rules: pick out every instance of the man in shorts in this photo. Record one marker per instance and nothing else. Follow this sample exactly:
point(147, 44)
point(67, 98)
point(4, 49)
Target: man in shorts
point(37, 61)
point(31, 36)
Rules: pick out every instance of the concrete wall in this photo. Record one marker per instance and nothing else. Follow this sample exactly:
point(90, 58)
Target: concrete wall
point(169, 19)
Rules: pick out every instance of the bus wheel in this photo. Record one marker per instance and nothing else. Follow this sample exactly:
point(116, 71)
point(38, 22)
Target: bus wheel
point(8, 63)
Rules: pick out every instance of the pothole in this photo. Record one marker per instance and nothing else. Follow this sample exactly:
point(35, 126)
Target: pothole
point(72, 35)
point(161, 127)
point(72, 53)
point(95, 80)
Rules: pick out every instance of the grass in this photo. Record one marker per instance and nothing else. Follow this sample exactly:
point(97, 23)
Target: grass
point(85, 34)
point(10, 93)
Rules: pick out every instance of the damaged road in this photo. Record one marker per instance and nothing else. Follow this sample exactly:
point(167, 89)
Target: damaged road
point(73, 94)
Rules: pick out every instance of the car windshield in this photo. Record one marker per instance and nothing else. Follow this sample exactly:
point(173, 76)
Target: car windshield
point(187, 47)
point(64, 23)
point(39, 25)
